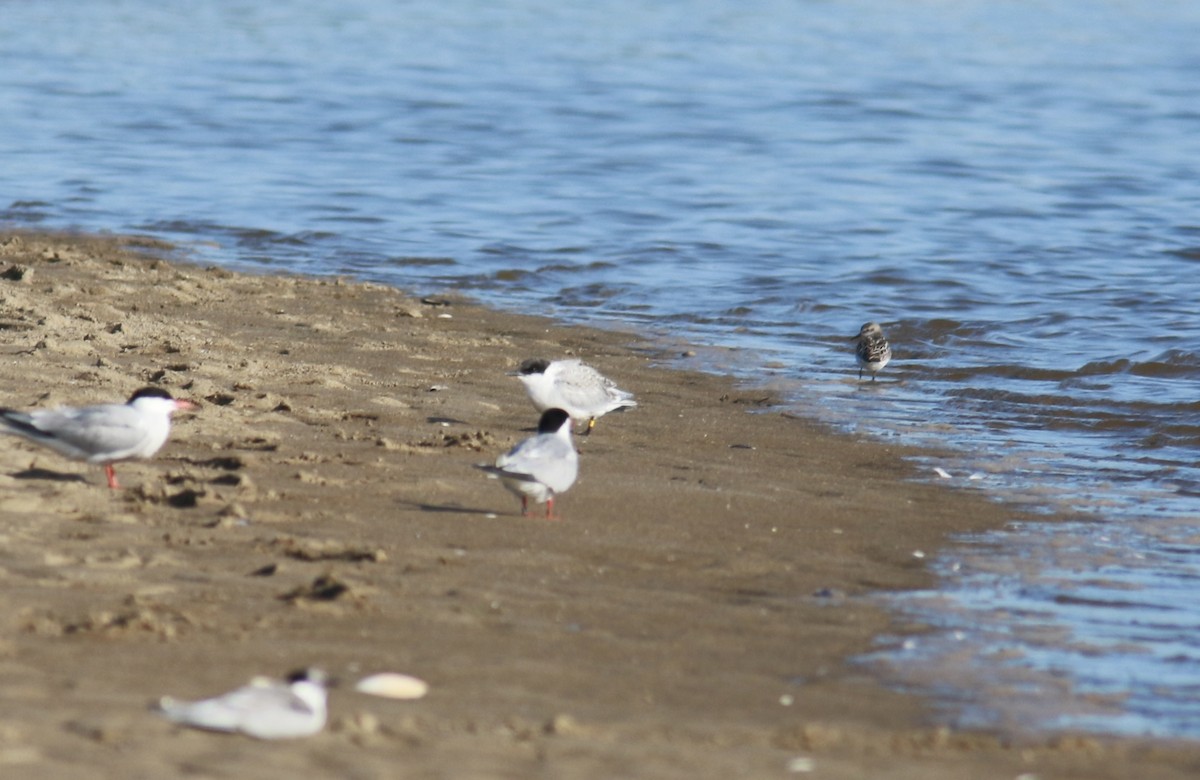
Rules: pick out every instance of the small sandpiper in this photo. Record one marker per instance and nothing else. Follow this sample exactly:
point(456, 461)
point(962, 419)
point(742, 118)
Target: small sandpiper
point(872, 350)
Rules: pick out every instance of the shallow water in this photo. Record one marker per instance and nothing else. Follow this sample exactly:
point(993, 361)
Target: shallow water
point(1011, 188)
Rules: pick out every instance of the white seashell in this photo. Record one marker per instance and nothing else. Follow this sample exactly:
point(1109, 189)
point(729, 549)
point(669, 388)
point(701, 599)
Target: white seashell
point(801, 765)
point(393, 686)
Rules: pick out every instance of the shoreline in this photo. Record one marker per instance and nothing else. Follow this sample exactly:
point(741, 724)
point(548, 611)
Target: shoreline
point(671, 625)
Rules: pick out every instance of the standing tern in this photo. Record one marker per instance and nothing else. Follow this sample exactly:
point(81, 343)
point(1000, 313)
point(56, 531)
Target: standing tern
point(872, 350)
point(574, 386)
point(264, 709)
point(101, 434)
point(541, 466)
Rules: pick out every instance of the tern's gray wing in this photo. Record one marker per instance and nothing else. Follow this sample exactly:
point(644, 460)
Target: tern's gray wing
point(583, 387)
point(111, 431)
point(545, 458)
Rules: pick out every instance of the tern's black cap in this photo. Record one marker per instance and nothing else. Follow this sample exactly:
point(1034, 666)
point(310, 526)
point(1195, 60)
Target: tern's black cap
point(150, 392)
point(552, 420)
point(533, 366)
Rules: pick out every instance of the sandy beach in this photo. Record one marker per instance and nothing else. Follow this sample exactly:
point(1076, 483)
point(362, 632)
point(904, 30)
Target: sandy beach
point(691, 615)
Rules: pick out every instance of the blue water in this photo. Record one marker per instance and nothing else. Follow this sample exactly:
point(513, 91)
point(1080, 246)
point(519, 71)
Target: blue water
point(1009, 187)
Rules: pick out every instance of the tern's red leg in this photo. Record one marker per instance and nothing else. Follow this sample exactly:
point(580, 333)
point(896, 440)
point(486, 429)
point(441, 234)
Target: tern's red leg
point(524, 506)
point(112, 476)
point(550, 509)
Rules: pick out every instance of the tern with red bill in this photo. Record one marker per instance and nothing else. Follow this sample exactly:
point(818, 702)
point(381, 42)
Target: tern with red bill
point(541, 466)
point(103, 434)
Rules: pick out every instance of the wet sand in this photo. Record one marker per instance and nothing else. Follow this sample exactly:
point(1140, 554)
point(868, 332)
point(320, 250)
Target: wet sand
point(692, 614)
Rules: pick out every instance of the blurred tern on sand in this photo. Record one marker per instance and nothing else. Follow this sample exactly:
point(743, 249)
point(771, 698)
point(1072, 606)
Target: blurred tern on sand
point(264, 709)
point(101, 434)
point(574, 386)
point(541, 466)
